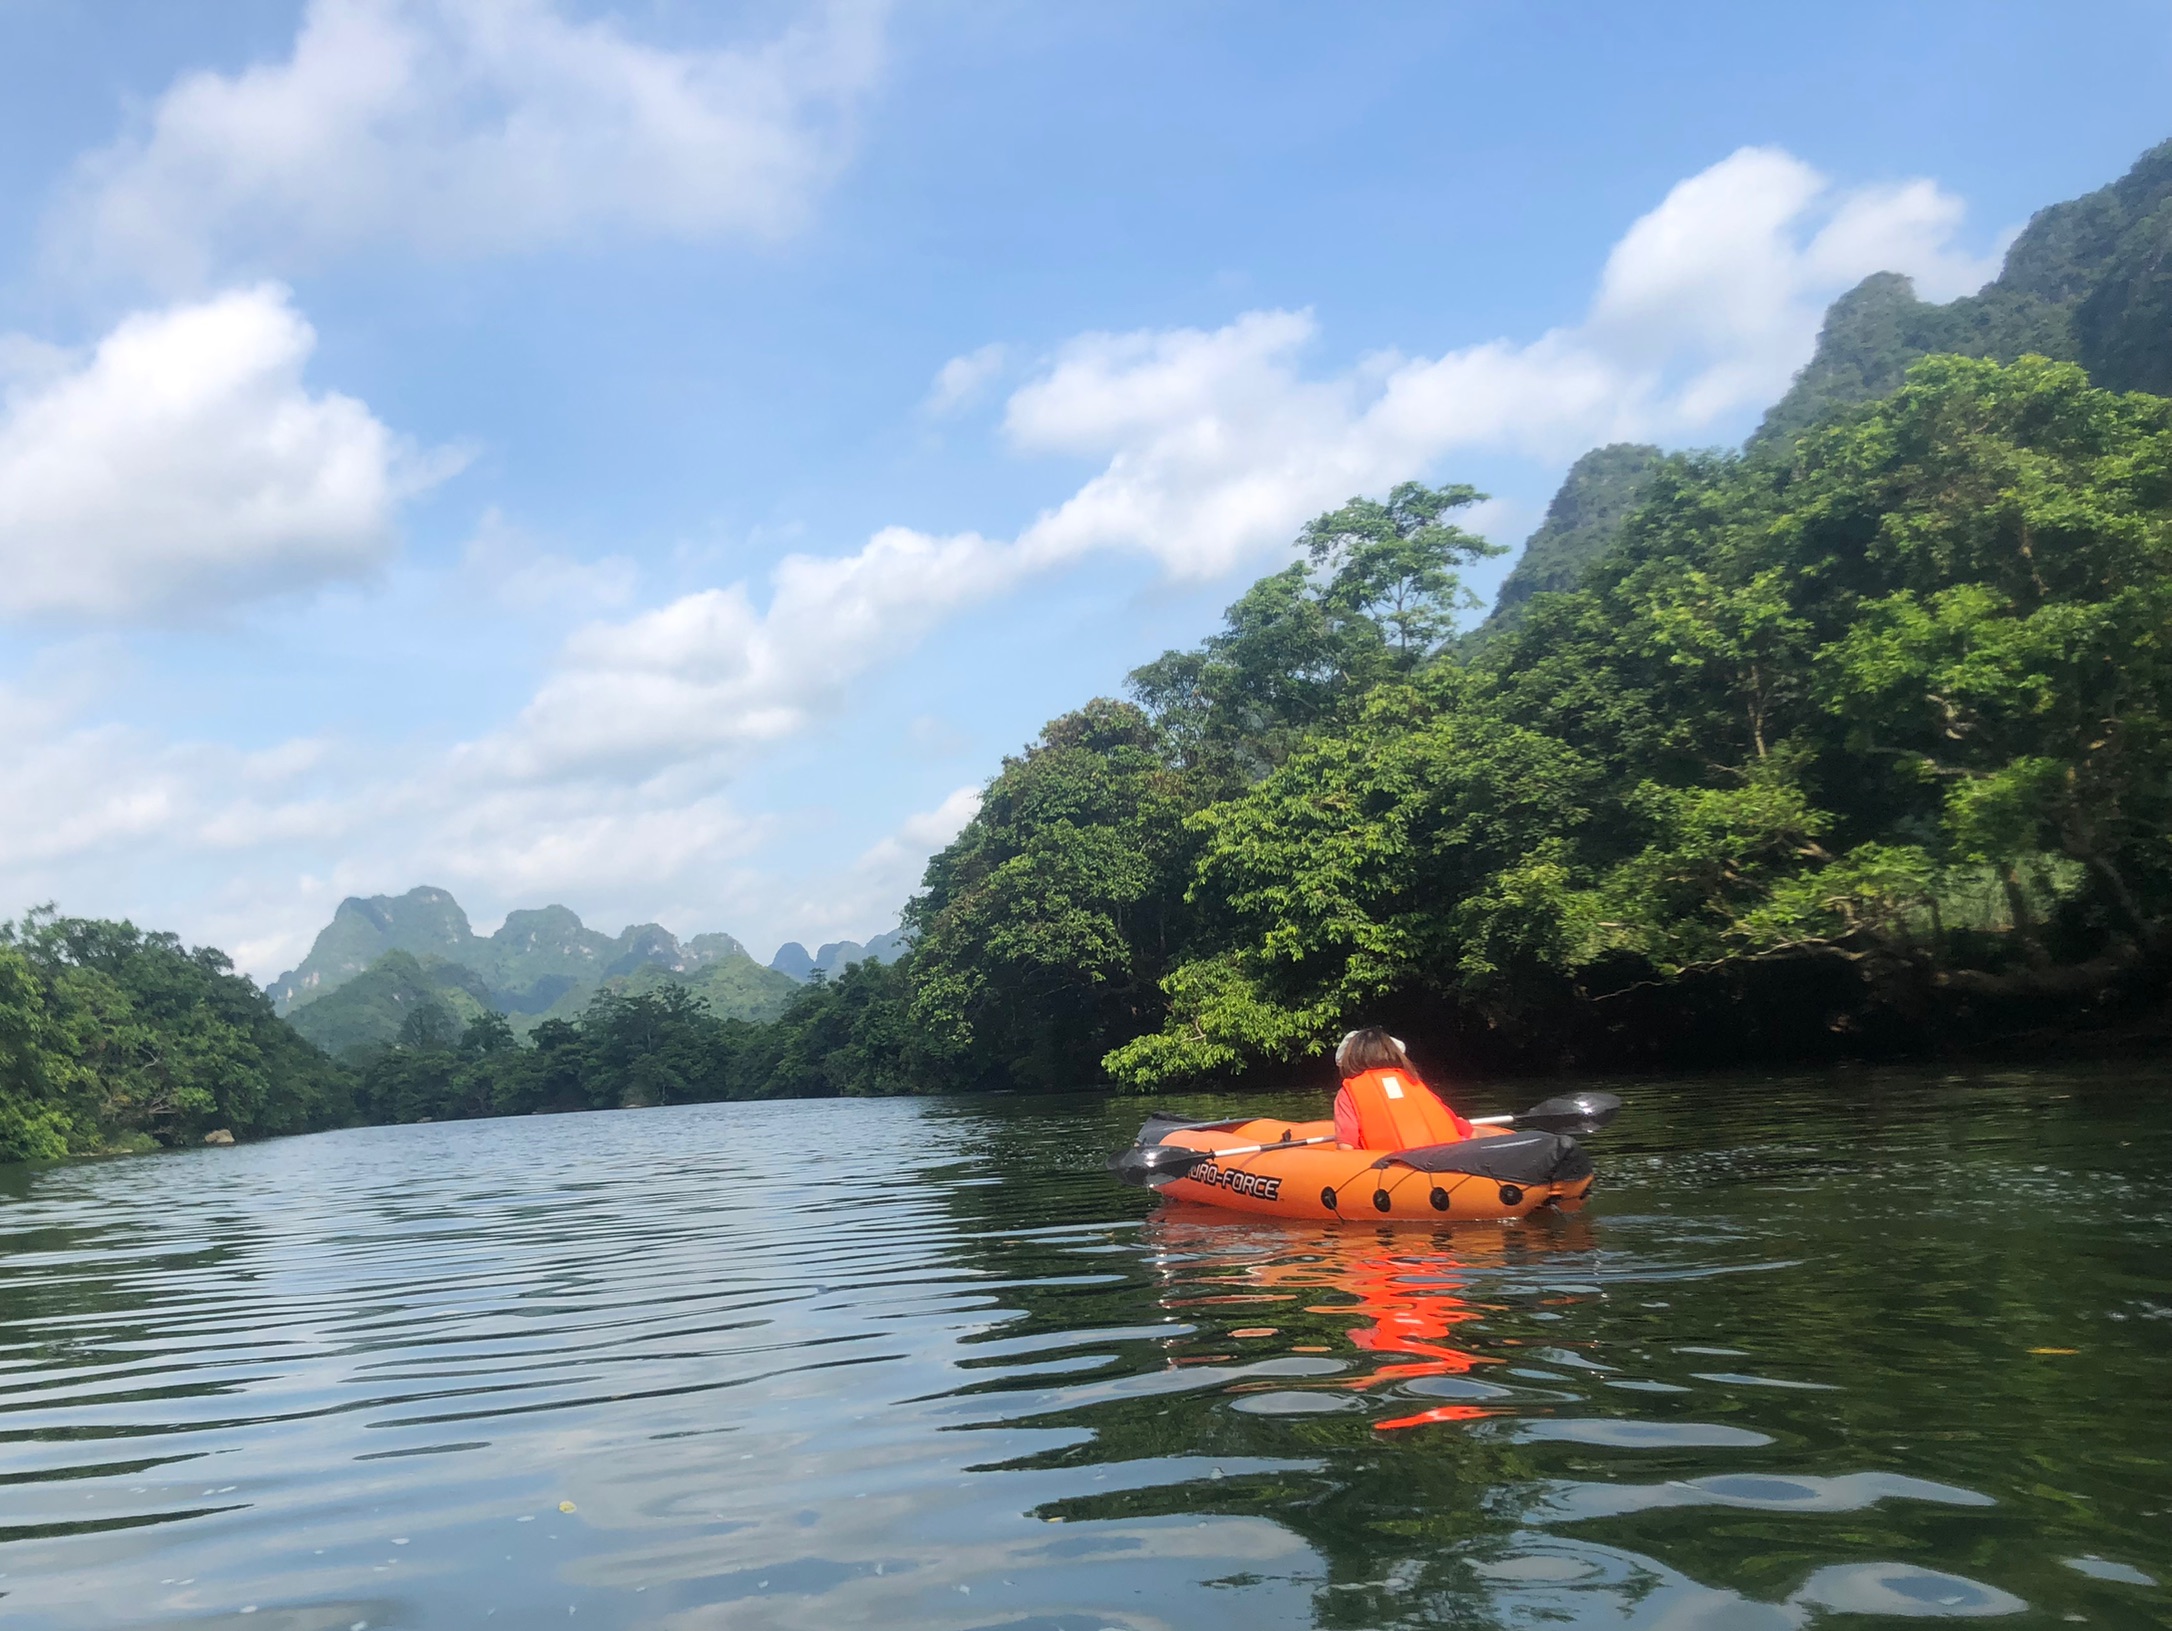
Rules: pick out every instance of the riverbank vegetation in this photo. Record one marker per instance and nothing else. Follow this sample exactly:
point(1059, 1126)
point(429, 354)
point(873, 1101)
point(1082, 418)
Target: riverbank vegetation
point(1856, 747)
point(1860, 746)
point(111, 1038)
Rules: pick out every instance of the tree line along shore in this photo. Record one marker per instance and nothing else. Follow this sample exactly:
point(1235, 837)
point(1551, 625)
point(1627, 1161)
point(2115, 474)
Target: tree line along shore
point(1856, 742)
point(1862, 749)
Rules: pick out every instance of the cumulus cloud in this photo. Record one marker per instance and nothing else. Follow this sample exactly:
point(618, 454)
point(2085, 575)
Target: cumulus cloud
point(960, 381)
point(854, 901)
point(514, 570)
point(183, 464)
point(1212, 447)
point(930, 830)
point(710, 672)
point(262, 844)
point(464, 127)
point(1215, 446)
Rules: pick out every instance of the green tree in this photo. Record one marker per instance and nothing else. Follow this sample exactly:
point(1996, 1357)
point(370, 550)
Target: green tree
point(1797, 715)
point(1300, 649)
point(1394, 565)
point(120, 1035)
point(1047, 925)
point(37, 1121)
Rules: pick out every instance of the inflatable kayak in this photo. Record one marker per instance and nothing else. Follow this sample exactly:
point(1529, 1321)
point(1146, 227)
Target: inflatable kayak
point(1295, 1169)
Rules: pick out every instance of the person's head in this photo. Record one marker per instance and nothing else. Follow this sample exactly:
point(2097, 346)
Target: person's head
point(1370, 1049)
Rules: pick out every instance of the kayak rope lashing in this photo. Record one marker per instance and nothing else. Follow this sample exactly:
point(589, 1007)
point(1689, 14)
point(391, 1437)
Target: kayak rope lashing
point(1384, 1196)
point(1442, 1199)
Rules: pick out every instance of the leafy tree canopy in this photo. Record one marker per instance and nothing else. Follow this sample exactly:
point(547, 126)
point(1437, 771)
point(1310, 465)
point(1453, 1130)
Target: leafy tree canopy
point(111, 1037)
point(1899, 699)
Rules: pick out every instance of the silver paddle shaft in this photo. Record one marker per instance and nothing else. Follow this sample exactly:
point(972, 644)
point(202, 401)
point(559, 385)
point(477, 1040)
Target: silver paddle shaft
point(1254, 1149)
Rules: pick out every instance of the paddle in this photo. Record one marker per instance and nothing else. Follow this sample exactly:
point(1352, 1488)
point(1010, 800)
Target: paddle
point(1583, 1112)
point(1165, 1163)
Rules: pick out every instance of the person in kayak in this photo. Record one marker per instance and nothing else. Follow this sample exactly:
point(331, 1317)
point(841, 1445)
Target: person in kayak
point(1384, 1105)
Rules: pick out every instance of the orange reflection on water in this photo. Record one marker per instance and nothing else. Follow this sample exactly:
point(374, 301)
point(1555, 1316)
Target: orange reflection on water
point(1405, 1287)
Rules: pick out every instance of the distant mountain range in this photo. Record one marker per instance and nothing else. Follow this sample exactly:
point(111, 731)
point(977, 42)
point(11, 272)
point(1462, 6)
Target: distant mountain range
point(793, 959)
point(2087, 281)
point(382, 958)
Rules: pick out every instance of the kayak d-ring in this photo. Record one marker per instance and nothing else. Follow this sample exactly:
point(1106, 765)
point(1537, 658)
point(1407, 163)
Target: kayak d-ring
point(1511, 1195)
point(1380, 1200)
point(1327, 1198)
point(1439, 1198)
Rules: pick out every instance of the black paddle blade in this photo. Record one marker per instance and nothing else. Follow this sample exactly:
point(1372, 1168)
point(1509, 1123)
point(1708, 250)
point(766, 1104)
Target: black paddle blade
point(1572, 1113)
point(1149, 1166)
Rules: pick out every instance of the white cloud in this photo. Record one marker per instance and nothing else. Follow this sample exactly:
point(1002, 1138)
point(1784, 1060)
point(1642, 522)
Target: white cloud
point(516, 572)
point(262, 845)
point(930, 830)
point(864, 898)
point(708, 672)
point(523, 844)
point(897, 858)
point(471, 126)
point(184, 464)
point(960, 381)
point(1906, 227)
point(1216, 446)
point(1213, 447)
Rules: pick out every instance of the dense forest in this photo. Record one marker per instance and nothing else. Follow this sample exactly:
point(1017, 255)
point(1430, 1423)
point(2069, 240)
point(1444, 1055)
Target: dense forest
point(115, 1039)
point(1857, 741)
point(1860, 747)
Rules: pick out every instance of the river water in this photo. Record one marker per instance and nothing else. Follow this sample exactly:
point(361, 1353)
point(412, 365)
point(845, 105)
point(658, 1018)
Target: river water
point(1837, 1348)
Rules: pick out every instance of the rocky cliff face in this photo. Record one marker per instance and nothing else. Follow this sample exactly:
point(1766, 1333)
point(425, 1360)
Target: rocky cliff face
point(424, 922)
point(530, 965)
point(2087, 281)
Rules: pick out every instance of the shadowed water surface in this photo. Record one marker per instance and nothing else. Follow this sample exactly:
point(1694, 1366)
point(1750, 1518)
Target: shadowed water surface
point(1859, 1348)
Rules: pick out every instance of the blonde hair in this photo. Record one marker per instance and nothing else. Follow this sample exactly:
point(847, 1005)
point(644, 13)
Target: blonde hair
point(1370, 1049)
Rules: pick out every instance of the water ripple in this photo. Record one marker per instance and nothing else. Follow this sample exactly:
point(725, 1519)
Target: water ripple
point(633, 1370)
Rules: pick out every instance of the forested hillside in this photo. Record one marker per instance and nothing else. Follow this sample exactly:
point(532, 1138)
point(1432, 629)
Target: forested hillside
point(1863, 747)
point(1584, 519)
point(385, 958)
point(1856, 742)
point(1866, 747)
point(2087, 281)
point(114, 1039)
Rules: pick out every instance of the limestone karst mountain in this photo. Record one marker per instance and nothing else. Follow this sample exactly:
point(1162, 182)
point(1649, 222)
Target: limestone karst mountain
point(2087, 281)
point(382, 957)
point(794, 960)
point(1595, 497)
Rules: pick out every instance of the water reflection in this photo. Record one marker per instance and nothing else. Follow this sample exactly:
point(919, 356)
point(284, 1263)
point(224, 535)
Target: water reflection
point(1396, 1293)
point(933, 1370)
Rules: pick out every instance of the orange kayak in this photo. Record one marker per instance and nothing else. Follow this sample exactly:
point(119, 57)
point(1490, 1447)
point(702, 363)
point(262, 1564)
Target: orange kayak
point(1294, 1169)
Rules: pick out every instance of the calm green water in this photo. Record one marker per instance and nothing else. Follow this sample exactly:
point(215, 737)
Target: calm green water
point(842, 1364)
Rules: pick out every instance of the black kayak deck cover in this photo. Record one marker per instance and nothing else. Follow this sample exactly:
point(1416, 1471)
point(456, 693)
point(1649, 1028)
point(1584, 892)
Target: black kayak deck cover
point(1514, 1158)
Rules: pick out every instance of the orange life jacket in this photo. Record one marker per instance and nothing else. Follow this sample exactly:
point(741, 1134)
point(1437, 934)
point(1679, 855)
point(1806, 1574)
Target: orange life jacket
point(1396, 1111)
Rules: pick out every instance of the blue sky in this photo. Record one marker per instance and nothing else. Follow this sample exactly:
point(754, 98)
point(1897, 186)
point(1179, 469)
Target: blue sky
point(660, 458)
